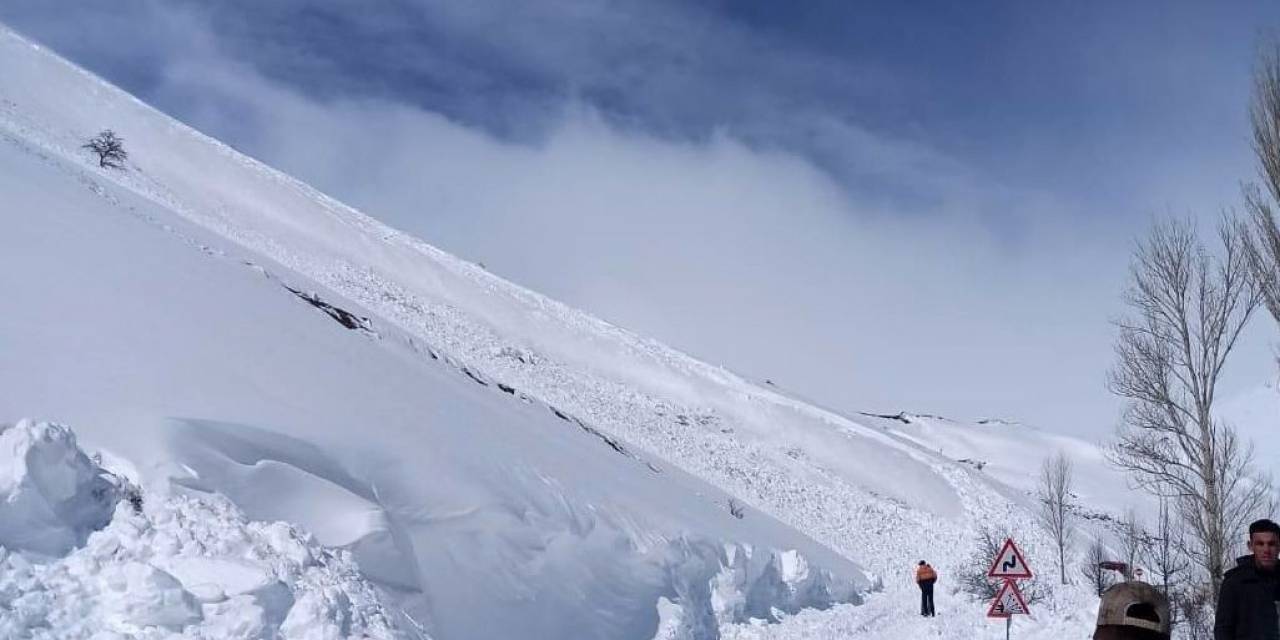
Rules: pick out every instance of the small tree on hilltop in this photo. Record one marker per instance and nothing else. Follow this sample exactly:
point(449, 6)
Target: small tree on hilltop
point(109, 148)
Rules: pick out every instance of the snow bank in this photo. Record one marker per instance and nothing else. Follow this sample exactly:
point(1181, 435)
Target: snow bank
point(51, 495)
point(307, 487)
point(501, 551)
point(720, 585)
point(179, 567)
point(193, 566)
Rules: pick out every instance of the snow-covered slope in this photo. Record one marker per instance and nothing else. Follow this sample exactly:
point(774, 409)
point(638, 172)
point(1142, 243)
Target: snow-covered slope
point(499, 464)
point(478, 508)
point(481, 510)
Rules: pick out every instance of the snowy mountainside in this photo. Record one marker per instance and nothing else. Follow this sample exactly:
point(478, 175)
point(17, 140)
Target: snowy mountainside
point(1011, 455)
point(476, 508)
point(499, 464)
point(471, 507)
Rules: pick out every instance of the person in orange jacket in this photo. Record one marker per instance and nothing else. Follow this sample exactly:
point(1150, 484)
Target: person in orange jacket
point(926, 577)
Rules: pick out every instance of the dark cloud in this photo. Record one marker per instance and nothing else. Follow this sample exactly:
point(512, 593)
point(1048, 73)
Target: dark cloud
point(923, 208)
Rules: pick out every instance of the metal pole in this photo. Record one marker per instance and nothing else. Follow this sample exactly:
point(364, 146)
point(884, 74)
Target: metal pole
point(1008, 622)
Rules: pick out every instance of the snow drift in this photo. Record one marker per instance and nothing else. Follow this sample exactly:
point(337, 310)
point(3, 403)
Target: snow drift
point(177, 567)
point(51, 496)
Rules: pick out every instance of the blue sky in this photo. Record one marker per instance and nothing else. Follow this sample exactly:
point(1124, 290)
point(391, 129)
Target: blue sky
point(922, 206)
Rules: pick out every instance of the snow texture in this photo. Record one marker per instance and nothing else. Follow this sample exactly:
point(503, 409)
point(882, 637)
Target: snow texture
point(180, 567)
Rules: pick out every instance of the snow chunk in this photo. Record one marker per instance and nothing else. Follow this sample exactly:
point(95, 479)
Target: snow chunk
point(792, 567)
point(141, 595)
point(51, 495)
point(671, 624)
point(182, 567)
point(191, 568)
point(719, 585)
point(228, 576)
point(322, 615)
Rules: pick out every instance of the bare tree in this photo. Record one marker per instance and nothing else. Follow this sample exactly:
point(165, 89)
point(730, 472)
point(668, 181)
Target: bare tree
point(1187, 309)
point(1168, 562)
point(109, 148)
point(1056, 477)
point(1260, 235)
point(973, 578)
point(1134, 541)
point(1092, 569)
point(1194, 605)
point(1260, 232)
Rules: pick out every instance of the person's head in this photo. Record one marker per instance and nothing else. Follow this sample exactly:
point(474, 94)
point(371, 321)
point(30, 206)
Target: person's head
point(1132, 611)
point(922, 563)
point(1264, 542)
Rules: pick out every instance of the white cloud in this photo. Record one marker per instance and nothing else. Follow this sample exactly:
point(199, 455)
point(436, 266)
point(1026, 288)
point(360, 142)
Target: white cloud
point(984, 299)
point(756, 260)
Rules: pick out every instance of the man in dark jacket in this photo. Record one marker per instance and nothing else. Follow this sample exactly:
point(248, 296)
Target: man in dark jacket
point(1247, 600)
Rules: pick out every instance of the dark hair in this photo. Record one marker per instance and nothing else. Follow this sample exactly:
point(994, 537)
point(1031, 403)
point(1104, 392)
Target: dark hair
point(1264, 526)
point(922, 562)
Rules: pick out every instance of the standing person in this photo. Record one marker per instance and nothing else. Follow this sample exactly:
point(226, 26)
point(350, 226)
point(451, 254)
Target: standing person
point(926, 577)
point(1247, 600)
point(1132, 611)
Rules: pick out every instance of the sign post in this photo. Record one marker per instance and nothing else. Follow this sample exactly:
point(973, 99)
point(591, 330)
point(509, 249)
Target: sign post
point(1009, 566)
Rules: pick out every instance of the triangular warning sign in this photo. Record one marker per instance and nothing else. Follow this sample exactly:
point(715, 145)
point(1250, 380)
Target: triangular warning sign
point(1009, 563)
point(1008, 602)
